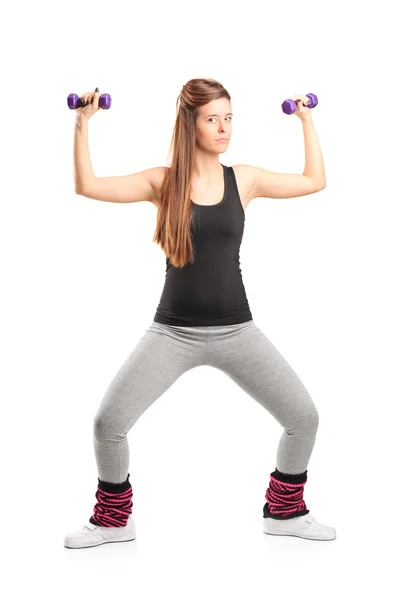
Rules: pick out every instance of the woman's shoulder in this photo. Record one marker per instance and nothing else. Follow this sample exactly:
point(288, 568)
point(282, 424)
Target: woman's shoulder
point(157, 179)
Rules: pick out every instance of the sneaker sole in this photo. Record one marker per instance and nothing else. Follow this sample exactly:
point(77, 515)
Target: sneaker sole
point(305, 537)
point(99, 544)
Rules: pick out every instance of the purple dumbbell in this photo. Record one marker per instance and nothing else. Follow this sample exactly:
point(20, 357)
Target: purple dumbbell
point(75, 102)
point(290, 106)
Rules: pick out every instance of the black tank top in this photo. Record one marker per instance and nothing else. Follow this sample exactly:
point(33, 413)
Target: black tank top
point(209, 291)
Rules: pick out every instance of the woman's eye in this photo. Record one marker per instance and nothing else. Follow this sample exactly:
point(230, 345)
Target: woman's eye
point(212, 118)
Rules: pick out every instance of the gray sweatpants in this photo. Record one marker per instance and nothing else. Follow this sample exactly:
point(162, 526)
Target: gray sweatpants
point(165, 352)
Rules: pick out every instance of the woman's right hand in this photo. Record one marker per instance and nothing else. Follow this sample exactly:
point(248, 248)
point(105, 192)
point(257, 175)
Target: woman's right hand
point(91, 106)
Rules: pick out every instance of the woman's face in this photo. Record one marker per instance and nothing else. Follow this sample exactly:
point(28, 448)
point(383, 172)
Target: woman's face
point(214, 121)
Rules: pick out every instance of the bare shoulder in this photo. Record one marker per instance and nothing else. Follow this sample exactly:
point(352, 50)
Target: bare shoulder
point(157, 178)
point(245, 182)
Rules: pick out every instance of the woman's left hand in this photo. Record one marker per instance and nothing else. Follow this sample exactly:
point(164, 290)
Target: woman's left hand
point(303, 112)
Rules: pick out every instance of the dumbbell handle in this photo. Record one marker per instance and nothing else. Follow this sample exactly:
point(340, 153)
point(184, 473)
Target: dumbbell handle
point(75, 102)
point(290, 106)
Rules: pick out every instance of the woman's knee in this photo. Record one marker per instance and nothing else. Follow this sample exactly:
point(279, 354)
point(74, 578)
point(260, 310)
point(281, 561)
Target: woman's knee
point(99, 427)
point(104, 429)
point(305, 421)
point(308, 421)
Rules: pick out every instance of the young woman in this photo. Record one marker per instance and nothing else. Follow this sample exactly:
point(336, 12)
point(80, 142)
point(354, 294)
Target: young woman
point(203, 316)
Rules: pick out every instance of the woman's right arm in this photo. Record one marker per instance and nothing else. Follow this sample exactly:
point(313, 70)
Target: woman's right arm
point(83, 171)
point(137, 187)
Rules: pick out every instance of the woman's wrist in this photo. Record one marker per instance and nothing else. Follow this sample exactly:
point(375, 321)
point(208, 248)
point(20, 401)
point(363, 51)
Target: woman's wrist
point(81, 118)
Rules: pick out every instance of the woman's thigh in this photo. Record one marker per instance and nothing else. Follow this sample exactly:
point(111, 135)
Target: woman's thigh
point(160, 357)
point(250, 359)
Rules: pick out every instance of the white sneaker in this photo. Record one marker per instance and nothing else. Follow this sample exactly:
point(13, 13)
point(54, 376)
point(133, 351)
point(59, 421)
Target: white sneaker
point(304, 526)
point(94, 535)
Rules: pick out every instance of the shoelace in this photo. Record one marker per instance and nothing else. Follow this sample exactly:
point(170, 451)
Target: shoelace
point(89, 527)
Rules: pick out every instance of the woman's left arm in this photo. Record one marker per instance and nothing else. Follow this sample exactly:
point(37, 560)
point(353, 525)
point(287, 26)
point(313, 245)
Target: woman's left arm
point(268, 184)
point(314, 163)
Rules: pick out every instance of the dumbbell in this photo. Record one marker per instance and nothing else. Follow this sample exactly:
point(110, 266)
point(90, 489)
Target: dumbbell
point(75, 102)
point(290, 106)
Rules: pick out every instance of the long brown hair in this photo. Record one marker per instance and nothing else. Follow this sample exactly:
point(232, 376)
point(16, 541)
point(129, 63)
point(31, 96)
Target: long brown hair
point(173, 229)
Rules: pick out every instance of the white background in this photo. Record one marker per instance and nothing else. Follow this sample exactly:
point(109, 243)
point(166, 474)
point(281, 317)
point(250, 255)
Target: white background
point(82, 279)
